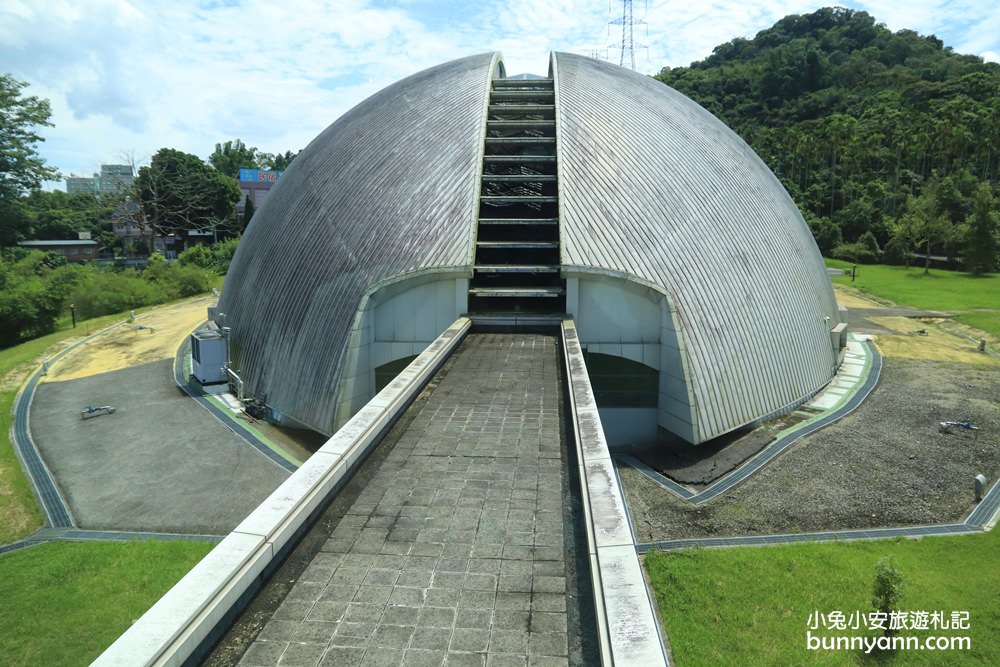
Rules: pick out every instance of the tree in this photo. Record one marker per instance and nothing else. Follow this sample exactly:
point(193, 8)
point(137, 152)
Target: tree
point(179, 193)
point(21, 169)
point(981, 233)
point(887, 590)
point(248, 210)
point(922, 223)
point(234, 155)
point(282, 161)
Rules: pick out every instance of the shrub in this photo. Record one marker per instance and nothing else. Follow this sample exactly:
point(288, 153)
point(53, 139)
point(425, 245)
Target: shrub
point(197, 255)
point(105, 292)
point(854, 252)
point(887, 590)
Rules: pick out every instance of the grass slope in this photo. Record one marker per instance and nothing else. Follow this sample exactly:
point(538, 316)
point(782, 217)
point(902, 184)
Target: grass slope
point(936, 290)
point(64, 603)
point(751, 606)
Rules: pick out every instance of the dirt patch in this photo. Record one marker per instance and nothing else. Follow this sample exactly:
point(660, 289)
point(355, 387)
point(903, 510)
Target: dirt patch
point(852, 298)
point(910, 338)
point(12, 380)
point(885, 464)
point(153, 336)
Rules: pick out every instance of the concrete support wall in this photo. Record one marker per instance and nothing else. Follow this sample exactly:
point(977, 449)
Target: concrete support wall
point(625, 319)
point(396, 321)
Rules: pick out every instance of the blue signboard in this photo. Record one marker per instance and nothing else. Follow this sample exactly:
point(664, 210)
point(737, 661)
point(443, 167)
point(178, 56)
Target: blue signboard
point(258, 176)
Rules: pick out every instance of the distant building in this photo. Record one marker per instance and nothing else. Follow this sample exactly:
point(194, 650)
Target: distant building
point(255, 184)
point(115, 179)
point(77, 184)
point(125, 221)
point(112, 180)
point(74, 251)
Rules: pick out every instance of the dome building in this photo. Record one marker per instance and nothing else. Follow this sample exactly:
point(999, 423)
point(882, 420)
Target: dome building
point(598, 193)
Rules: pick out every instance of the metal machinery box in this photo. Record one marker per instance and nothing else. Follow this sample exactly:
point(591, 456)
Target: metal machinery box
point(208, 356)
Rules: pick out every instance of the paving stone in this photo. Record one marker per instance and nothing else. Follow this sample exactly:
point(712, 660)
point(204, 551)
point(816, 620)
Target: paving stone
point(314, 632)
point(456, 659)
point(509, 641)
point(263, 653)
point(382, 657)
point(439, 617)
point(375, 595)
point(505, 660)
point(508, 619)
point(326, 610)
point(278, 630)
point(302, 655)
point(397, 615)
point(424, 658)
point(547, 643)
point(430, 638)
point(474, 618)
point(469, 639)
point(394, 636)
point(338, 656)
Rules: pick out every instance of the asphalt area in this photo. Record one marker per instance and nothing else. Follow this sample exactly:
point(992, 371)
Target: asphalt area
point(160, 463)
point(884, 465)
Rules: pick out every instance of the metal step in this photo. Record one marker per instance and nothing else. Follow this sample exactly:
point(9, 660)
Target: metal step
point(523, 83)
point(520, 140)
point(515, 199)
point(517, 159)
point(517, 292)
point(516, 268)
point(539, 245)
point(521, 108)
point(520, 178)
point(520, 124)
point(538, 95)
point(518, 221)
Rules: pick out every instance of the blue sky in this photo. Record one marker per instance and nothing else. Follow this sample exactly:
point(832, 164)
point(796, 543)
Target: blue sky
point(127, 77)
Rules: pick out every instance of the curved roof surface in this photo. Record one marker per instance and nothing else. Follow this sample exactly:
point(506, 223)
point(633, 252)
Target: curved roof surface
point(390, 188)
point(652, 188)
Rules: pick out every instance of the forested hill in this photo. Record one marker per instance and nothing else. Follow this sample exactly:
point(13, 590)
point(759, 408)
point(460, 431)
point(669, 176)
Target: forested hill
point(868, 129)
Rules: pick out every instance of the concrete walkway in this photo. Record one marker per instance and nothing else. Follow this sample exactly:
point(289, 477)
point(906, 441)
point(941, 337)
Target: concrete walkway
point(454, 550)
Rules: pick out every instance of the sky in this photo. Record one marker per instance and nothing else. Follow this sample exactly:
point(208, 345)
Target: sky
point(128, 77)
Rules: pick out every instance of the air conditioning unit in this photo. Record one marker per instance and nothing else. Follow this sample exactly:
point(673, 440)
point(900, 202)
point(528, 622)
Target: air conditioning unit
point(208, 357)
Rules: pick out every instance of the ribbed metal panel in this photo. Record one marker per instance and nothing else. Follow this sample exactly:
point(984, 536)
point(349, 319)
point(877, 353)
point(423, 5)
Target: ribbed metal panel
point(388, 189)
point(653, 186)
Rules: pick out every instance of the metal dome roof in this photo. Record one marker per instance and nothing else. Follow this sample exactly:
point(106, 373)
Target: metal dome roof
point(652, 188)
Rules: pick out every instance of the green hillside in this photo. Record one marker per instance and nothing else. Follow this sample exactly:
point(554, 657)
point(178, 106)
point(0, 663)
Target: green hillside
point(869, 130)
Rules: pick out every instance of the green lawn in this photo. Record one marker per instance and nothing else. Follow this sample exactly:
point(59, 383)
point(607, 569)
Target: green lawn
point(751, 606)
point(64, 603)
point(937, 290)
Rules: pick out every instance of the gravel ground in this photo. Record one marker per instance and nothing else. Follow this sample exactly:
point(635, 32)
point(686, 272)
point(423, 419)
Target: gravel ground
point(884, 465)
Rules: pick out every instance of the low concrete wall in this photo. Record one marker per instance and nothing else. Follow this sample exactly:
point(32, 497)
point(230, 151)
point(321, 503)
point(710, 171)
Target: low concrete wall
point(177, 625)
point(627, 625)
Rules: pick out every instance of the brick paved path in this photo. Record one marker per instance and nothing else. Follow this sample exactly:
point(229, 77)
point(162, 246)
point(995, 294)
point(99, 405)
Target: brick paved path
point(454, 552)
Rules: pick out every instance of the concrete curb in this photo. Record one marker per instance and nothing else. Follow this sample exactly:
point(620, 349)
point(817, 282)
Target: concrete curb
point(182, 621)
point(628, 629)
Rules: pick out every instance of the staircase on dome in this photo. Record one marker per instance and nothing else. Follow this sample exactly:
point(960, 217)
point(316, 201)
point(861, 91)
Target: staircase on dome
point(517, 244)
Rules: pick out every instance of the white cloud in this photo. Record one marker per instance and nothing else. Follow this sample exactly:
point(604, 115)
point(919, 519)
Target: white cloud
point(138, 75)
